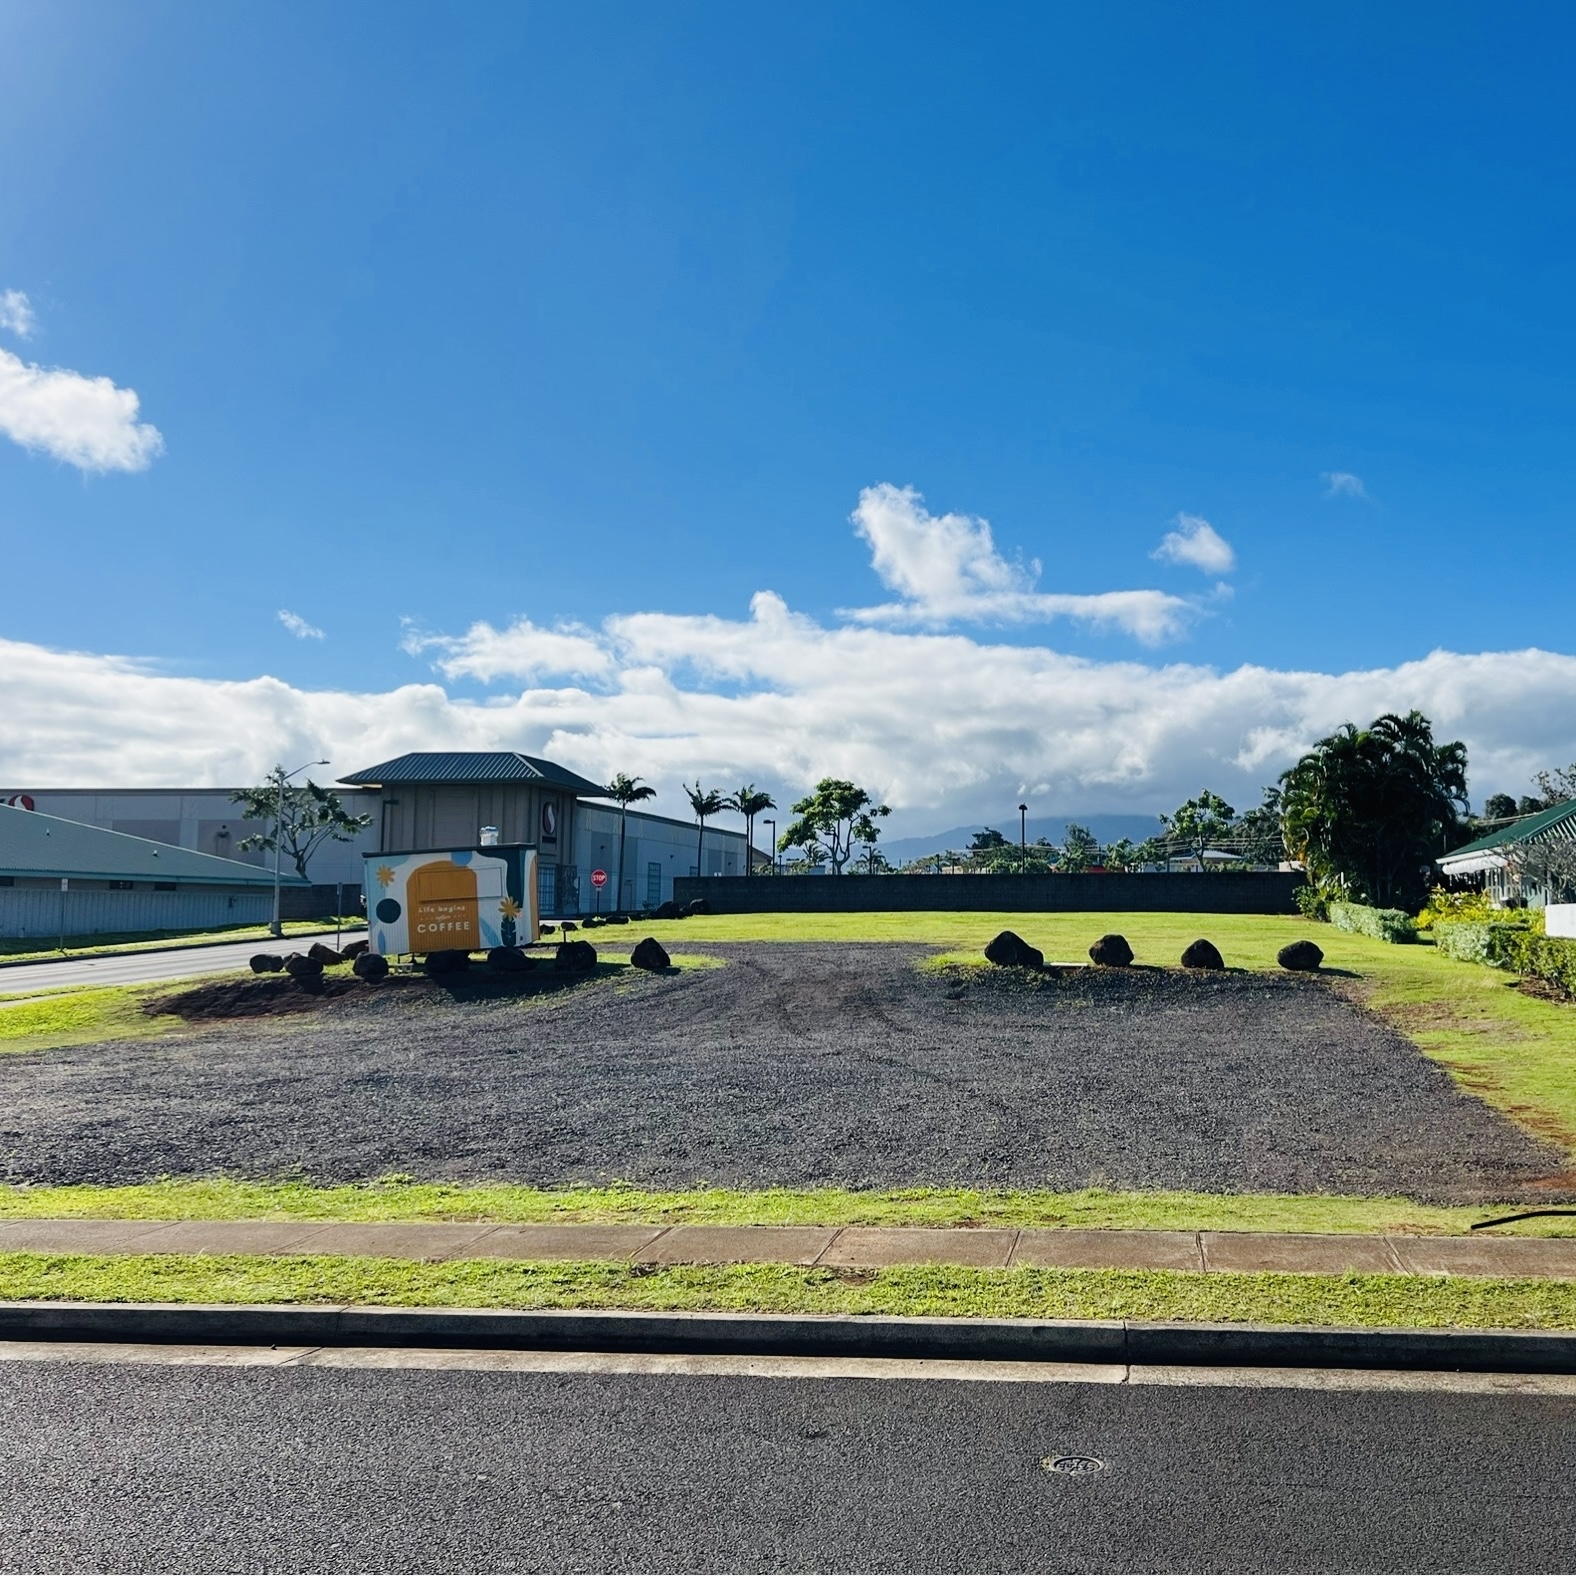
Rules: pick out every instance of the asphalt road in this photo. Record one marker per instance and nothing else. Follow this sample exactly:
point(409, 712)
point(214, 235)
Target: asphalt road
point(128, 1468)
point(137, 968)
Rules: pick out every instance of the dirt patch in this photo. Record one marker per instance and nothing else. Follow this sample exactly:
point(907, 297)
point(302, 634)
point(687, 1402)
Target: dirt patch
point(268, 997)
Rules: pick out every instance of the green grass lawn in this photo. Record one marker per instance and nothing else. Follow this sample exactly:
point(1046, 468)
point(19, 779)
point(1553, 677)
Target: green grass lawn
point(82, 1017)
point(403, 1199)
point(34, 949)
point(922, 1290)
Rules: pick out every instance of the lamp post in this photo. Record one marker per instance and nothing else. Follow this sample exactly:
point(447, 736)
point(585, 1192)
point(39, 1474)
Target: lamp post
point(773, 826)
point(275, 928)
point(1023, 839)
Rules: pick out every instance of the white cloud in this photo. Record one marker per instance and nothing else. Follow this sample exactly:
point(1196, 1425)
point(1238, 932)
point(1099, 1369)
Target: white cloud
point(298, 626)
point(947, 570)
point(523, 650)
point(946, 728)
point(1195, 541)
point(16, 313)
point(87, 422)
point(1342, 484)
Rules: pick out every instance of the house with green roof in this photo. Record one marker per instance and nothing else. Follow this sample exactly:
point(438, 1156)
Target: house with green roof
point(1494, 861)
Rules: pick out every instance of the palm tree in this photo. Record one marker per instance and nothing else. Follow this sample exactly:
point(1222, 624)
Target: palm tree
point(625, 791)
point(750, 802)
point(703, 803)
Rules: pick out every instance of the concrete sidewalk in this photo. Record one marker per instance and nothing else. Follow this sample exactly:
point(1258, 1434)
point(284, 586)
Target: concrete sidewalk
point(850, 1247)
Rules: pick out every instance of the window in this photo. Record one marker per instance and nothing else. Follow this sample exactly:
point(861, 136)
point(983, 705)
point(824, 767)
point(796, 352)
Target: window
point(547, 889)
point(163, 886)
point(7, 881)
point(120, 886)
point(653, 883)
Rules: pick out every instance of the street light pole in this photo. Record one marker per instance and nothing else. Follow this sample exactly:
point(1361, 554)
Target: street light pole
point(1023, 839)
point(275, 928)
point(773, 826)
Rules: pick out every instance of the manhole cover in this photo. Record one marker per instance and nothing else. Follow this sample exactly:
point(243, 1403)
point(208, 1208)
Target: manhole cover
point(1073, 1466)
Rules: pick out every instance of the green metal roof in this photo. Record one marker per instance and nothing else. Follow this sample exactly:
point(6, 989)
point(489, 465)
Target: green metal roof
point(47, 845)
point(474, 766)
point(1525, 830)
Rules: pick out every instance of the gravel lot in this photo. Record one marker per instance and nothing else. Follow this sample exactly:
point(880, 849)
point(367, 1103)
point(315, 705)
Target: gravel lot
point(794, 1065)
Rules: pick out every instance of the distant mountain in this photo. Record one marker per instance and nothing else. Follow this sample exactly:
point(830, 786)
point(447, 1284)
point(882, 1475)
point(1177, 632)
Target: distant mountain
point(1108, 828)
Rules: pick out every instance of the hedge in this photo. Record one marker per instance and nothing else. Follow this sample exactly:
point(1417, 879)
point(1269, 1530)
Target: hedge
point(1383, 924)
point(1519, 946)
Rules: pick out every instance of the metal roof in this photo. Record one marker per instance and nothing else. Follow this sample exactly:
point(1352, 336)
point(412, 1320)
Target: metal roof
point(474, 766)
point(47, 845)
point(1527, 829)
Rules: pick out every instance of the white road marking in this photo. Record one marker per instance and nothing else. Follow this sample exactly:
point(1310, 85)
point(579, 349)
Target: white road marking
point(884, 1368)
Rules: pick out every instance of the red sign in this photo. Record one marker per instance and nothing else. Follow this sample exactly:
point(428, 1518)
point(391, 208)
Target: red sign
point(599, 879)
point(23, 801)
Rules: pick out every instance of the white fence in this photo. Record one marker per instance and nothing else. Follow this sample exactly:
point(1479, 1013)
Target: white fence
point(36, 911)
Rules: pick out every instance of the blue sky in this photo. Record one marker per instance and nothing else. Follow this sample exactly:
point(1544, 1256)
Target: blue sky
point(460, 316)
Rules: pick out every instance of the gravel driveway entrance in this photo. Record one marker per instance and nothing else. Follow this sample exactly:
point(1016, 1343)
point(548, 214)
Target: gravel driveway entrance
point(794, 1065)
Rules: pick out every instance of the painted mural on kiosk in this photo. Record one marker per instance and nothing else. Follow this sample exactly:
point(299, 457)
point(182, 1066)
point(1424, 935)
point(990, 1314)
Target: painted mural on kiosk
point(468, 898)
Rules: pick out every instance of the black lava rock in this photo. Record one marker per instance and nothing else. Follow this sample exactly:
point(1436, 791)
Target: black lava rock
point(510, 960)
point(325, 955)
point(575, 957)
point(371, 967)
point(1303, 957)
point(267, 963)
point(618, 919)
point(650, 954)
point(303, 968)
point(699, 906)
point(1203, 955)
point(355, 949)
point(1112, 952)
point(450, 960)
point(1010, 951)
point(668, 910)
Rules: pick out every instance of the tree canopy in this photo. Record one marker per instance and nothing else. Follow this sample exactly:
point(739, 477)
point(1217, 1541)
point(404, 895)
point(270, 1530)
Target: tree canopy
point(1367, 810)
point(309, 817)
point(835, 817)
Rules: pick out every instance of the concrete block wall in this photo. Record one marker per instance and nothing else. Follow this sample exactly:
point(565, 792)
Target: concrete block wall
point(1242, 892)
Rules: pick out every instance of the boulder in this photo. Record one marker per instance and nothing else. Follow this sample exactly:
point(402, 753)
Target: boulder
point(303, 968)
point(1112, 952)
point(566, 925)
point(591, 922)
point(668, 910)
point(371, 967)
point(267, 963)
point(325, 955)
point(1010, 951)
point(355, 949)
point(650, 954)
point(617, 919)
point(1303, 957)
point(547, 930)
point(1203, 955)
point(510, 960)
point(450, 960)
point(575, 957)
point(699, 906)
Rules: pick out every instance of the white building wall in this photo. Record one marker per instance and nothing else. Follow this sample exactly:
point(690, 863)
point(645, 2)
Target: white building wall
point(39, 910)
point(204, 819)
point(656, 849)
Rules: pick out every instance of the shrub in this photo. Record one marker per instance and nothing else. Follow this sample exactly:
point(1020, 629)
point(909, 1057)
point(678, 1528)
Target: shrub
point(1480, 940)
point(1313, 902)
point(1383, 924)
point(1452, 908)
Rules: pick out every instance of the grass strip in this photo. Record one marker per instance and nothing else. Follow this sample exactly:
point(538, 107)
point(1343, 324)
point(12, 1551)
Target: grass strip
point(403, 1199)
point(936, 1291)
point(34, 949)
point(82, 1017)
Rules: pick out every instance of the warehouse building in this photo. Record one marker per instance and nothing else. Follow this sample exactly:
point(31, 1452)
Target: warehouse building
point(62, 878)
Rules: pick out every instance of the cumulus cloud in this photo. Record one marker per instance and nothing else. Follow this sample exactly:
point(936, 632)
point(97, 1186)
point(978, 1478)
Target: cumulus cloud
point(1195, 541)
point(945, 727)
point(16, 313)
point(947, 570)
point(523, 650)
point(1342, 484)
point(87, 422)
point(298, 626)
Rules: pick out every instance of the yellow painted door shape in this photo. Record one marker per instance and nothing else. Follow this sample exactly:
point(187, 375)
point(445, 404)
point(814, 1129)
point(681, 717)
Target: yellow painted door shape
point(442, 907)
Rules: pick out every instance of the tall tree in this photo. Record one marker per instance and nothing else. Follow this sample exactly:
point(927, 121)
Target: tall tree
point(1080, 849)
point(705, 803)
point(837, 814)
point(625, 791)
point(303, 820)
point(750, 802)
point(1198, 824)
point(1367, 810)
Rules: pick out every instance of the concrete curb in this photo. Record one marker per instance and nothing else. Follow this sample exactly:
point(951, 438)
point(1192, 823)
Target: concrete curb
point(793, 1335)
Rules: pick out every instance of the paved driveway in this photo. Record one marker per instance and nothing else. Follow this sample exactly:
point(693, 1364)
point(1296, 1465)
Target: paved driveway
point(137, 968)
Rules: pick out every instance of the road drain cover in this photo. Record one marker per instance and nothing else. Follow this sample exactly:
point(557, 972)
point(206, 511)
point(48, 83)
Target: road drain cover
point(1073, 1466)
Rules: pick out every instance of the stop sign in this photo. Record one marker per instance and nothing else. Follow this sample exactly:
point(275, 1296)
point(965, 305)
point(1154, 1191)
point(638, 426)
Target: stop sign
point(599, 878)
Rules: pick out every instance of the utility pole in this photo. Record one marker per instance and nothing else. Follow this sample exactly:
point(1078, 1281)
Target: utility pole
point(1023, 839)
point(275, 928)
